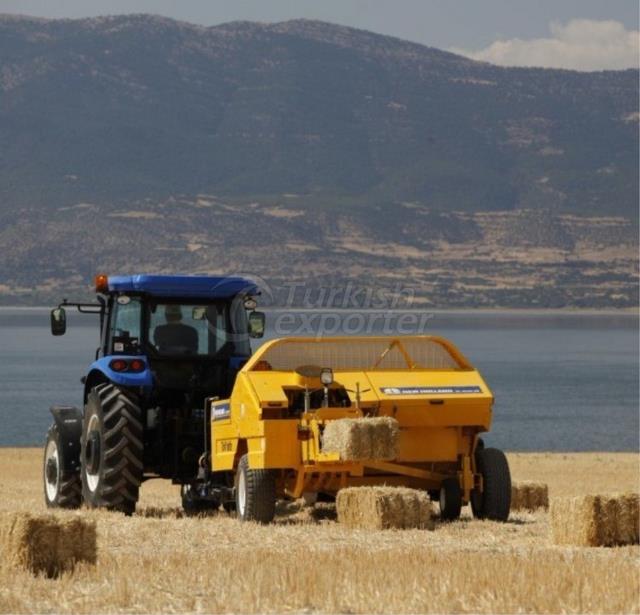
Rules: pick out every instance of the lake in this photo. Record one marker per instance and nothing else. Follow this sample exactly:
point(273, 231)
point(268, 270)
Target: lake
point(562, 381)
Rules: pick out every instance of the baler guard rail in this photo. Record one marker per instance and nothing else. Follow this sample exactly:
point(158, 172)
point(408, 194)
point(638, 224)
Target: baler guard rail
point(413, 352)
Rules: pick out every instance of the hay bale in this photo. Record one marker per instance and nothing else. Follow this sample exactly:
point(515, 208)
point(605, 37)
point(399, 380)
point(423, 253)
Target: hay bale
point(385, 433)
point(46, 543)
point(528, 495)
point(596, 520)
point(379, 508)
point(628, 522)
point(363, 438)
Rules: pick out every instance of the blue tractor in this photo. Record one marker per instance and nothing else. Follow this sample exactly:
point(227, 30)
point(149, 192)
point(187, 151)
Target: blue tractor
point(167, 343)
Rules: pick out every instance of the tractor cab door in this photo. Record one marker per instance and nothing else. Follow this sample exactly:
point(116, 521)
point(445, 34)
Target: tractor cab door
point(122, 331)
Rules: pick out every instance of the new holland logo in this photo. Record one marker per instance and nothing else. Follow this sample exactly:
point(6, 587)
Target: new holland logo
point(220, 411)
point(430, 390)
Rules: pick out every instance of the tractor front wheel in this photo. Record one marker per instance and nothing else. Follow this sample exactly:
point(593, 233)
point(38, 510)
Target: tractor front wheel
point(255, 493)
point(62, 487)
point(495, 500)
point(111, 450)
point(450, 499)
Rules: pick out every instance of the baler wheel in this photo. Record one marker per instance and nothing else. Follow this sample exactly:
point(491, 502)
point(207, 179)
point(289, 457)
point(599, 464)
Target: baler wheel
point(255, 493)
point(62, 488)
point(111, 450)
point(450, 499)
point(495, 501)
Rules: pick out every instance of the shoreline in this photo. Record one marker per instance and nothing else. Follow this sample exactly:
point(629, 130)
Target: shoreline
point(627, 311)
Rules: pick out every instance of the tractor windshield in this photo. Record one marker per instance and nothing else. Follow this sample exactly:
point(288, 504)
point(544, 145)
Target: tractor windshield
point(201, 329)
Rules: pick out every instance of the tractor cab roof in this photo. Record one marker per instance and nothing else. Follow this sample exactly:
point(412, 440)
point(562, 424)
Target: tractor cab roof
point(185, 286)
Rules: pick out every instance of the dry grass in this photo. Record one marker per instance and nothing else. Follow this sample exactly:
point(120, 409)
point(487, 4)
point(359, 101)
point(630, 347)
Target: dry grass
point(160, 561)
point(529, 495)
point(569, 474)
point(364, 438)
point(596, 520)
point(380, 508)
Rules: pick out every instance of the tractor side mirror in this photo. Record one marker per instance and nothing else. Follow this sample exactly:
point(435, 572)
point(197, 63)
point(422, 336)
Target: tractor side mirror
point(256, 324)
point(58, 321)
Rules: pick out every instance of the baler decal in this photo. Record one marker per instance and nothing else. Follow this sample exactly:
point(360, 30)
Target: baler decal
point(220, 411)
point(429, 390)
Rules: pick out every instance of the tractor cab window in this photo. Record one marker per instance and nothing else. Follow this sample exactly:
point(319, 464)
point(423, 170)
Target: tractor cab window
point(125, 325)
point(193, 329)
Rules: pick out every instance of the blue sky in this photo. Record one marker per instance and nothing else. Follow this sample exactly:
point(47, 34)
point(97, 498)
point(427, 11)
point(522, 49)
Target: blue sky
point(582, 34)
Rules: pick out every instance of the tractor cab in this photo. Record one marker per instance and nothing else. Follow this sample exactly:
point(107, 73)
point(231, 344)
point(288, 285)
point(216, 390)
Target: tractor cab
point(167, 343)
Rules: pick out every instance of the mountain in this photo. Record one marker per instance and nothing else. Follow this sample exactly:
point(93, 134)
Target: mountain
point(308, 151)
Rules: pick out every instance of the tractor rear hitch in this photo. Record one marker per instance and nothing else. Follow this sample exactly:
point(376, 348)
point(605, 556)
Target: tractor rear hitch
point(208, 492)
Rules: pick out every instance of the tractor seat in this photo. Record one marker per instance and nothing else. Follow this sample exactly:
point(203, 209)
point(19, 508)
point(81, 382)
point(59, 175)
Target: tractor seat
point(176, 338)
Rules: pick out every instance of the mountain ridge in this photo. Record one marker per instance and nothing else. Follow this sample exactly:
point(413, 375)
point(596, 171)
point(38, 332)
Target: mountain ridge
point(310, 150)
point(299, 106)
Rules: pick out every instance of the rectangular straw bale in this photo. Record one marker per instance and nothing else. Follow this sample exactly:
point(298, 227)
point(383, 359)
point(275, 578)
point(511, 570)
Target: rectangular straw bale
point(628, 519)
point(362, 438)
point(596, 520)
point(346, 437)
point(529, 495)
point(378, 508)
point(45, 543)
point(78, 540)
point(385, 432)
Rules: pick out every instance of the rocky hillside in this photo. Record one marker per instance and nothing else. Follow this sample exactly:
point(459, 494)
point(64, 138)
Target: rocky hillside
point(308, 151)
point(297, 251)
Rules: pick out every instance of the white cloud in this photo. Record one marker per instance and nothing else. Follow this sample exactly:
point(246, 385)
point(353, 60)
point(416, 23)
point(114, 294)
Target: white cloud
point(581, 44)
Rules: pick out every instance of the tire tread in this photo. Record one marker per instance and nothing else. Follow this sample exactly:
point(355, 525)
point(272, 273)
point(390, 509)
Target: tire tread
point(453, 499)
point(123, 450)
point(260, 502)
point(496, 498)
point(70, 486)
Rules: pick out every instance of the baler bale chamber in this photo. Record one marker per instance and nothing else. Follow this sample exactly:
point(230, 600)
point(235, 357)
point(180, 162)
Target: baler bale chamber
point(270, 432)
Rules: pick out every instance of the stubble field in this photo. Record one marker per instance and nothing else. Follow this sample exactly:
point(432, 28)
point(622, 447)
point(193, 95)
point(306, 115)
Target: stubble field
point(159, 561)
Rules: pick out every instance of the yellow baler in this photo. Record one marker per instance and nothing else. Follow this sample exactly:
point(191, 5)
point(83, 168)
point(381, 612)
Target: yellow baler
point(269, 433)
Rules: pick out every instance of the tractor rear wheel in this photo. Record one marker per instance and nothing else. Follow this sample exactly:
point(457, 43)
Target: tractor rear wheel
point(255, 493)
point(495, 500)
point(62, 487)
point(450, 499)
point(111, 449)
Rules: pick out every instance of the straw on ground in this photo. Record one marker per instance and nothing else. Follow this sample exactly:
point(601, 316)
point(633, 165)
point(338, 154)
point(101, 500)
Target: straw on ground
point(307, 562)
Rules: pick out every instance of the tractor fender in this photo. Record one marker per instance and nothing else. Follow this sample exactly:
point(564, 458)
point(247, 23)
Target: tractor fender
point(68, 420)
point(100, 371)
